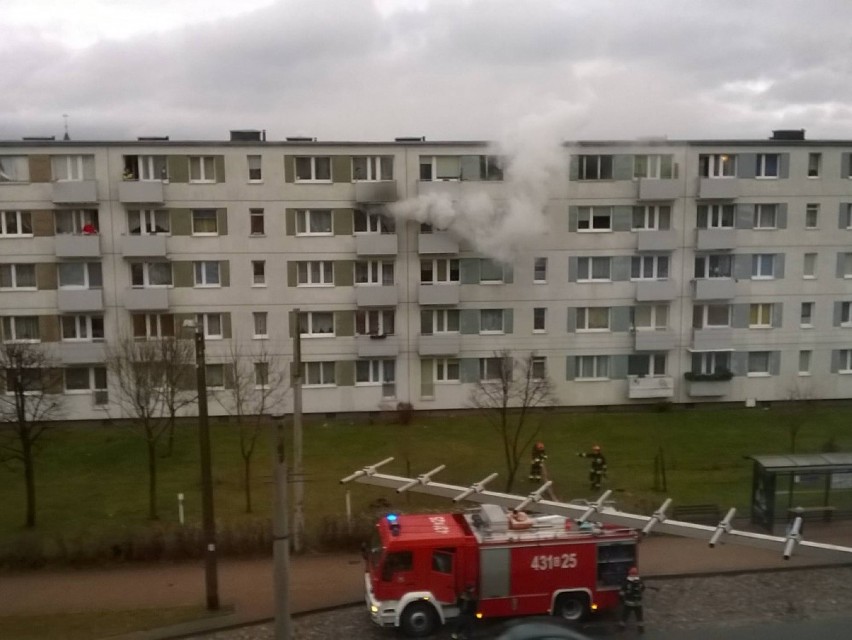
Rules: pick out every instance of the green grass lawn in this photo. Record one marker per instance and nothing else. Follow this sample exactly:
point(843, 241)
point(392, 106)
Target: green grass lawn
point(92, 479)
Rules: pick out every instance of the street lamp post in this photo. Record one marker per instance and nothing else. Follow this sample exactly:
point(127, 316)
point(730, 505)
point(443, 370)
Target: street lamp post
point(281, 537)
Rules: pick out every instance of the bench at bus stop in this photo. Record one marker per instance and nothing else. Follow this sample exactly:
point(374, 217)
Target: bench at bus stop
point(697, 513)
point(826, 511)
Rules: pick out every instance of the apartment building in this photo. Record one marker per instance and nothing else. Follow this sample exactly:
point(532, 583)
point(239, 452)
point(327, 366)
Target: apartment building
point(681, 271)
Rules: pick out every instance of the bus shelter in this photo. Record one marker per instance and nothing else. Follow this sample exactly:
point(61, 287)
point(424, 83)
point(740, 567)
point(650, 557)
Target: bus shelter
point(816, 486)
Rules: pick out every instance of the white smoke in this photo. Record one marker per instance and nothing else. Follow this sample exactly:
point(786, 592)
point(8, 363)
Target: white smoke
point(534, 160)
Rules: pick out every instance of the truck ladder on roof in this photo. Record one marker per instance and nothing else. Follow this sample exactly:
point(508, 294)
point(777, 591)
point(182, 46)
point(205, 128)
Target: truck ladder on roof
point(602, 513)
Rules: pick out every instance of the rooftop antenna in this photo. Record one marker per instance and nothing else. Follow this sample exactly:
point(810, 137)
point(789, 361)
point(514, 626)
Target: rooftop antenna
point(66, 136)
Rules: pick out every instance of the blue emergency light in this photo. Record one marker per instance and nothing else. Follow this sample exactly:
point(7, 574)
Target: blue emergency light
point(393, 523)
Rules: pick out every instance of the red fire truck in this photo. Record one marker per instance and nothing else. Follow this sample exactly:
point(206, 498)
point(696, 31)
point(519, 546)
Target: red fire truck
point(518, 564)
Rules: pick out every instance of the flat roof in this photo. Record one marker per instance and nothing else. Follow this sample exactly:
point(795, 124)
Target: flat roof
point(806, 461)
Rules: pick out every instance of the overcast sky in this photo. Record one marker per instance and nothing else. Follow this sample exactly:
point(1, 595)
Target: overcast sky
point(446, 69)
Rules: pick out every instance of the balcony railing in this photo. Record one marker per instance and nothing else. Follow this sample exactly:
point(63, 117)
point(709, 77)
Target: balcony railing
point(650, 387)
point(376, 244)
point(651, 189)
point(141, 192)
point(655, 290)
point(376, 295)
point(713, 339)
point(154, 299)
point(74, 300)
point(439, 294)
point(78, 246)
point(441, 344)
point(654, 340)
point(714, 289)
point(718, 188)
point(377, 346)
point(715, 239)
point(437, 242)
point(75, 192)
point(376, 192)
point(153, 246)
point(656, 240)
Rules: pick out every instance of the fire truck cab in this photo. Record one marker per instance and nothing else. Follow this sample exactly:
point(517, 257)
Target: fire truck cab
point(518, 564)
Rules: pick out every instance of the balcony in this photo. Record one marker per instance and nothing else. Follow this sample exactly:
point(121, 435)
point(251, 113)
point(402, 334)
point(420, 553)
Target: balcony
point(715, 239)
point(74, 246)
point(655, 290)
point(656, 189)
point(718, 188)
point(437, 242)
point(659, 240)
point(376, 192)
point(377, 346)
point(154, 299)
point(714, 289)
point(654, 340)
point(141, 192)
point(439, 294)
point(367, 295)
point(708, 388)
point(441, 344)
point(75, 192)
point(377, 244)
point(82, 352)
point(712, 339)
point(74, 300)
point(650, 387)
point(143, 246)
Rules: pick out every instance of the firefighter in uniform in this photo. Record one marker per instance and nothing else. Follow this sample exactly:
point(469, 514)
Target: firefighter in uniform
point(467, 604)
point(537, 463)
point(631, 598)
point(597, 472)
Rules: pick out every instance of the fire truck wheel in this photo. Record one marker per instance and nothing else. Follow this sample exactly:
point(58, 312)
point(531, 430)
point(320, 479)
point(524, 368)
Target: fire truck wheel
point(418, 620)
point(572, 606)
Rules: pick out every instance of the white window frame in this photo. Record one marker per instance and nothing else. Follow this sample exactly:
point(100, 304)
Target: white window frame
point(539, 319)
point(376, 168)
point(540, 270)
point(754, 368)
point(812, 215)
point(254, 163)
point(588, 263)
point(492, 313)
point(154, 324)
point(709, 271)
point(711, 362)
point(446, 371)
point(14, 271)
point(441, 321)
point(597, 366)
point(654, 364)
point(805, 359)
point(433, 163)
point(814, 168)
point(763, 266)
point(593, 319)
point(845, 364)
point(806, 315)
point(92, 376)
point(83, 327)
point(212, 325)
point(488, 367)
point(379, 372)
point(146, 168)
point(306, 219)
point(311, 321)
point(655, 166)
point(492, 267)
point(14, 169)
point(651, 267)
point(198, 218)
point(374, 273)
point(651, 217)
point(846, 314)
point(315, 273)
point(92, 272)
point(716, 216)
point(594, 219)
point(658, 317)
point(705, 316)
point(79, 219)
point(260, 325)
point(593, 167)
point(214, 373)
point(809, 270)
point(538, 367)
point(207, 274)
point(22, 219)
point(201, 166)
point(762, 166)
point(760, 315)
point(323, 371)
point(11, 329)
point(257, 217)
point(72, 168)
point(717, 165)
point(847, 264)
point(313, 169)
point(258, 273)
point(766, 216)
point(150, 222)
point(372, 223)
point(146, 275)
point(448, 265)
point(376, 322)
point(261, 375)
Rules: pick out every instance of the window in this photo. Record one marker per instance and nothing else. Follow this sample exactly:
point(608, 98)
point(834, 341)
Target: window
point(539, 319)
point(717, 165)
point(313, 222)
point(259, 320)
point(434, 321)
point(765, 216)
point(540, 270)
point(809, 266)
point(654, 166)
point(21, 329)
point(811, 215)
point(716, 216)
point(16, 223)
point(767, 165)
point(372, 168)
point(148, 168)
point(17, 276)
point(375, 322)
point(495, 369)
point(650, 365)
point(846, 314)
point(316, 323)
point(374, 372)
point(258, 273)
point(538, 368)
point(80, 275)
point(491, 321)
point(440, 168)
point(148, 222)
point(257, 225)
point(14, 169)
point(76, 221)
point(202, 169)
point(845, 264)
point(491, 272)
point(73, 168)
point(814, 164)
point(652, 216)
point(805, 363)
point(207, 273)
point(763, 266)
point(439, 271)
point(446, 370)
point(709, 362)
point(211, 324)
point(760, 316)
point(758, 363)
point(713, 266)
point(371, 222)
point(845, 216)
point(374, 272)
point(215, 376)
point(255, 168)
point(649, 268)
point(85, 379)
point(708, 316)
point(204, 222)
point(147, 326)
point(315, 273)
point(592, 368)
point(593, 269)
point(844, 364)
point(151, 274)
point(594, 218)
point(82, 328)
point(261, 375)
point(650, 317)
point(594, 167)
point(592, 318)
point(313, 169)
point(319, 374)
point(806, 316)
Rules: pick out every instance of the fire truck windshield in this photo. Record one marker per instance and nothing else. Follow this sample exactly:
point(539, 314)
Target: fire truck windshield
point(376, 551)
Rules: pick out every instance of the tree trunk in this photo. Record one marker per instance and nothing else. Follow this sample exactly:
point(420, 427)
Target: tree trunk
point(247, 481)
point(171, 442)
point(29, 478)
point(152, 480)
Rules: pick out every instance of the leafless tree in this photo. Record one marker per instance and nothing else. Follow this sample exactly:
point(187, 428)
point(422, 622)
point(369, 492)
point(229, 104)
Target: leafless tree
point(506, 396)
point(179, 389)
point(255, 389)
point(30, 382)
point(798, 410)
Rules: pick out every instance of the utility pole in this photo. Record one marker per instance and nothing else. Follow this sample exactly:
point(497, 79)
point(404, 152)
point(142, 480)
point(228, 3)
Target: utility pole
point(299, 482)
point(281, 540)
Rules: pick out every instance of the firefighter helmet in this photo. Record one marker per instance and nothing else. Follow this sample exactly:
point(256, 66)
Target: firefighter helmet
point(596, 448)
point(539, 446)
